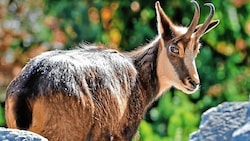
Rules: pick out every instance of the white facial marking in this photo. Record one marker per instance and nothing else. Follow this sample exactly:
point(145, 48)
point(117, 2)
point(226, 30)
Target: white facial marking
point(195, 75)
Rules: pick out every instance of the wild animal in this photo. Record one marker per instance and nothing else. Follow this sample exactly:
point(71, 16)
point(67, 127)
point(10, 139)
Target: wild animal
point(100, 94)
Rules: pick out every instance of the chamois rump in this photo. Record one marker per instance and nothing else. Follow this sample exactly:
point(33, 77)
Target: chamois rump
point(95, 93)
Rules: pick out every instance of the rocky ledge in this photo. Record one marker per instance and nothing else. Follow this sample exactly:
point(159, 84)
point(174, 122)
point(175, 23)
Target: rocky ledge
point(7, 134)
point(229, 121)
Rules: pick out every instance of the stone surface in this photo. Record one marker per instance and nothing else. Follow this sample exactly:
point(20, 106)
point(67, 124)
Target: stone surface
point(7, 134)
point(229, 121)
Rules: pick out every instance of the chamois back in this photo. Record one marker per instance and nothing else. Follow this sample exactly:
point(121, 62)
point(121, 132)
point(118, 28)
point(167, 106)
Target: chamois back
point(98, 79)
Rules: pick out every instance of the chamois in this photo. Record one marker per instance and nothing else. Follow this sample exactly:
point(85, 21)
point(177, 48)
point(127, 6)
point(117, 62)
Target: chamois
point(95, 93)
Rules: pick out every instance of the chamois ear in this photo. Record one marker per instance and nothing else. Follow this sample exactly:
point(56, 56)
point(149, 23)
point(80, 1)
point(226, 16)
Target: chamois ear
point(165, 26)
point(211, 25)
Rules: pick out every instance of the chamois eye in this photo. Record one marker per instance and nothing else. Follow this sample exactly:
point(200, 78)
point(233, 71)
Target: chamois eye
point(174, 49)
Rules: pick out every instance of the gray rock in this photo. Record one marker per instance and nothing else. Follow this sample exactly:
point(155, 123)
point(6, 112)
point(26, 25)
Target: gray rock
point(229, 121)
point(7, 134)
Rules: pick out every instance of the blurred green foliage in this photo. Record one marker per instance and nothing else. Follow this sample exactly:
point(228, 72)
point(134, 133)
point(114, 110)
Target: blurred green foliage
point(28, 28)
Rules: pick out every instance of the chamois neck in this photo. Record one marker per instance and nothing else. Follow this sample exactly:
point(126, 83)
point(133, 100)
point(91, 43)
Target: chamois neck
point(145, 61)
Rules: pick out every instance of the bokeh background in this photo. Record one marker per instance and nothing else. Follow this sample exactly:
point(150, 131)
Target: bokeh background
point(30, 27)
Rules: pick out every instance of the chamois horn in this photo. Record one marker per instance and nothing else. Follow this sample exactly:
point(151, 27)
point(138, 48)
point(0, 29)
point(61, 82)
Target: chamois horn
point(203, 28)
point(195, 20)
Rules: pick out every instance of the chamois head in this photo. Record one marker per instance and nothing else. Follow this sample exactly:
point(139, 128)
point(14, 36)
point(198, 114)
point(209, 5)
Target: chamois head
point(179, 48)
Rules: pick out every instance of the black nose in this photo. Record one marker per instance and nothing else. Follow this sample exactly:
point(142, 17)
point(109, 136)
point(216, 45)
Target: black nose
point(192, 82)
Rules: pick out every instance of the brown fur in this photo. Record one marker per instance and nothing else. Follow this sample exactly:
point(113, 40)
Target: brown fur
point(100, 94)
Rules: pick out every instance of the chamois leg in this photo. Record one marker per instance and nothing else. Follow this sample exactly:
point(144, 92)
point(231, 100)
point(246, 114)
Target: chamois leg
point(9, 113)
point(62, 110)
point(18, 112)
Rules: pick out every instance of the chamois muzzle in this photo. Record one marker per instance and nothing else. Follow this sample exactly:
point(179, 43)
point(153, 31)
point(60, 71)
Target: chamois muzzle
point(191, 84)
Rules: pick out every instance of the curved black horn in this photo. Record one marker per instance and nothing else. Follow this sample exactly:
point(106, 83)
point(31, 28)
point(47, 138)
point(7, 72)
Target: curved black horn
point(203, 28)
point(195, 20)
